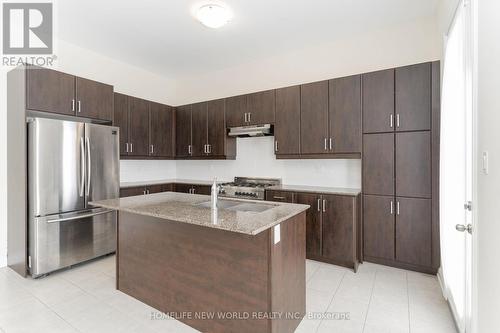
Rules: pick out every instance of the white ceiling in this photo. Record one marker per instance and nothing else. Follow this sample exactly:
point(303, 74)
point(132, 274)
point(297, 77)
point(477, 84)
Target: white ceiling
point(163, 37)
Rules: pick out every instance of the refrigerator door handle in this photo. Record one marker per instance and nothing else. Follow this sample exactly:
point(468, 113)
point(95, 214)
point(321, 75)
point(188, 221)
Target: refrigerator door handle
point(79, 216)
point(89, 164)
point(82, 166)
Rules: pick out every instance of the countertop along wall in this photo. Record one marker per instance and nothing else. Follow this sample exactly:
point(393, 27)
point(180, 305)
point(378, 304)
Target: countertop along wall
point(125, 78)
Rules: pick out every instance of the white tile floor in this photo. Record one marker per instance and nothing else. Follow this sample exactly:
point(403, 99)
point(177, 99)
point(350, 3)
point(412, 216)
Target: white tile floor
point(83, 299)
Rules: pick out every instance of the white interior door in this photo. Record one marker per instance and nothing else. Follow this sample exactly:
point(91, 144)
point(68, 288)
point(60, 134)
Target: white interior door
point(456, 168)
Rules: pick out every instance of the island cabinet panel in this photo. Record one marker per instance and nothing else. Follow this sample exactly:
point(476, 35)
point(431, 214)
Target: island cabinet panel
point(261, 106)
point(120, 119)
point(413, 97)
point(378, 101)
point(138, 127)
point(345, 114)
point(50, 91)
point(94, 99)
point(182, 268)
point(339, 228)
point(287, 122)
point(313, 222)
point(314, 118)
point(378, 226)
point(183, 137)
point(236, 111)
point(161, 130)
point(199, 129)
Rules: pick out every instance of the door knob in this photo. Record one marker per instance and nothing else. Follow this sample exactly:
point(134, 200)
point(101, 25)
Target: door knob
point(462, 228)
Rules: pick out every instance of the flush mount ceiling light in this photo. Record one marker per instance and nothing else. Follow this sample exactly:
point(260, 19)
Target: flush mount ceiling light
point(213, 15)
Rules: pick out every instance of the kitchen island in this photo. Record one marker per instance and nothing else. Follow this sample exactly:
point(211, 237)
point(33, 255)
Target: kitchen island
point(239, 268)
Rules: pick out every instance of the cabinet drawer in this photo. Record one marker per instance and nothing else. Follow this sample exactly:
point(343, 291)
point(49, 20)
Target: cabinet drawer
point(280, 196)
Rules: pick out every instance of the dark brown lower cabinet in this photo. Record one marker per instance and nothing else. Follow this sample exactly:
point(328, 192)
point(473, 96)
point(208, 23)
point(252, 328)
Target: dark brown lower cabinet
point(339, 229)
point(192, 188)
point(378, 226)
point(280, 196)
point(413, 231)
point(331, 227)
point(131, 191)
point(313, 222)
point(148, 189)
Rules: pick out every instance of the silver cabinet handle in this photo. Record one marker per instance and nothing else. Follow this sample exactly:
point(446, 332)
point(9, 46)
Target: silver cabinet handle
point(210, 149)
point(246, 118)
point(131, 147)
point(397, 120)
point(152, 149)
point(126, 147)
point(392, 207)
point(324, 205)
point(205, 149)
point(326, 144)
point(331, 143)
point(147, 191)
point(249, 116)
point(278, 197)
point(144, 192)
point(275, 145)
point(79, 106)
point(82, 166)
point(319, 205)
point(190, 150)
point(397, 207)
point(89, 166)
point(194, 190)
point(391, 120)
point(73, 105)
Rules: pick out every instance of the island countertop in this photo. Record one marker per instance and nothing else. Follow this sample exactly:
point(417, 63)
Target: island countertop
point(186, 208)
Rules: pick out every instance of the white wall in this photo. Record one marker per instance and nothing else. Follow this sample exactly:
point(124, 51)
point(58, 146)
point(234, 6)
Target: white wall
point(396, 46)
point(127, 79)
point(488, 218)
point(256, 159)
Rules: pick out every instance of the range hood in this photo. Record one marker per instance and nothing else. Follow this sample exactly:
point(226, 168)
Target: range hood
point(250, 131)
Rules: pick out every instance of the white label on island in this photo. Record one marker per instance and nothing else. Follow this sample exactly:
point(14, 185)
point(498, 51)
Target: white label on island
point(277, 235)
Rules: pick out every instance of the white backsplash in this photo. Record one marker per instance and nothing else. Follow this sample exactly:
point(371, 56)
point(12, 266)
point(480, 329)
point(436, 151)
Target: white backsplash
point(255, 158)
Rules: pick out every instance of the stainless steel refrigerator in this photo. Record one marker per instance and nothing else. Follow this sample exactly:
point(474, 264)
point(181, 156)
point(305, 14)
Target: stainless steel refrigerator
point(70, 164)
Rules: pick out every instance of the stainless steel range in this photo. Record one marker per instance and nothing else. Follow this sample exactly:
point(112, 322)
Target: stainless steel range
point(248, 188)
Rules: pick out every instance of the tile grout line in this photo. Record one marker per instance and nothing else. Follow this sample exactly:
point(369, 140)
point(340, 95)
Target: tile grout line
point(370, 301)
point(331, 300)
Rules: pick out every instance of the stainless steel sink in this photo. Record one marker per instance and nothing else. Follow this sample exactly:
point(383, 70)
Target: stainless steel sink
point(224, 204)
point(238, 206)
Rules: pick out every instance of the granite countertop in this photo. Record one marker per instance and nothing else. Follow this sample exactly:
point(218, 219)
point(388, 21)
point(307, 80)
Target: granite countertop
point(182, 207)
point(316, 189)
point(168, 181)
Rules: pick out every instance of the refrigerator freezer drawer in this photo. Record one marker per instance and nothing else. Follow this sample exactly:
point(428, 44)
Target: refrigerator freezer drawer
point(62, 240)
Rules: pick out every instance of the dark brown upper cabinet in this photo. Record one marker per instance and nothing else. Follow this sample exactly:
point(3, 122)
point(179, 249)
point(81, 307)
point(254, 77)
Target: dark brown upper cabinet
point(287, 122)
point(161, 130)
point(50, 91)
point(199, 129)
point(138, 127)
point(236, 111)
point(260, 107)
point(53, 91)
point(378, 226)
point(378, 101)
point(121, 120)
point(378, 164)
point(339, 228)
point(183, 138)
point(413, 97)
point(313, 222)
point(413, 164)
point(345, 114)
point(218, 143)
point(314, 118)
point(414, 231)
point(94, 99)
